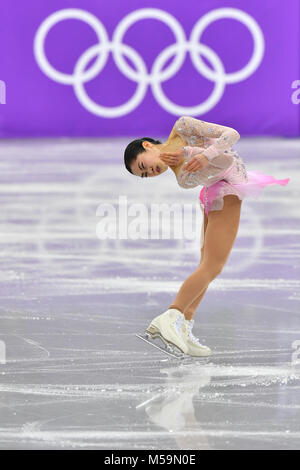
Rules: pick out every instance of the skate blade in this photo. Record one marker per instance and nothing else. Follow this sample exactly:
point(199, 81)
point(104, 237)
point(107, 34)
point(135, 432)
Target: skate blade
point(160, 343)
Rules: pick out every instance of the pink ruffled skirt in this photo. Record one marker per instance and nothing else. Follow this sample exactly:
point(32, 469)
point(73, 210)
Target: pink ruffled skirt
point(211, 197)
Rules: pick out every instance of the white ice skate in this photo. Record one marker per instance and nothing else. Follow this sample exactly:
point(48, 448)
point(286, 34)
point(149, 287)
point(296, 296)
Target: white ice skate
point(194, 347)
point(167, 328)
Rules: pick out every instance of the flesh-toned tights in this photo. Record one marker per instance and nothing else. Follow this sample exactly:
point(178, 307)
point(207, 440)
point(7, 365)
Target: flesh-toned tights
point(220, 231)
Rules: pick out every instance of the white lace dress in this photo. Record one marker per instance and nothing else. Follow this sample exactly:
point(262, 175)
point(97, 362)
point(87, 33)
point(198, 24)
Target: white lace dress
point(226, 173)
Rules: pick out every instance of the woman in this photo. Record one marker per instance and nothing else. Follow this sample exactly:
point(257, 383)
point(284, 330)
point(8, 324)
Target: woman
point(199, 153)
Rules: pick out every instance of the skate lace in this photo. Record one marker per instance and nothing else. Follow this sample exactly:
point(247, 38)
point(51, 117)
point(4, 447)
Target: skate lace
point(191, 336)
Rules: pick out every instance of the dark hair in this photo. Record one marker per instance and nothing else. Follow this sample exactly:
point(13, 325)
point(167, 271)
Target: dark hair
point(134, 148)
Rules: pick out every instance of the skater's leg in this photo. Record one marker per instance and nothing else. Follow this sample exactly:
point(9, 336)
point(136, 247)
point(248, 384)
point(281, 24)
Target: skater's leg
point(221, 232)
point(190, 311)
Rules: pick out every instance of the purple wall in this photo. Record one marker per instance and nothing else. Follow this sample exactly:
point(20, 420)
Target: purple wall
point(112, 103)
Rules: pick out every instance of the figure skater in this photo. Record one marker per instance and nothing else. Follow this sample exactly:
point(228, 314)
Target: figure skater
point(199, 153)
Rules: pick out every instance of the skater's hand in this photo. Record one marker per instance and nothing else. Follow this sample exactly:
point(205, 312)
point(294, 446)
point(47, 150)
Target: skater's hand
point(172, 158)
point(197, 162)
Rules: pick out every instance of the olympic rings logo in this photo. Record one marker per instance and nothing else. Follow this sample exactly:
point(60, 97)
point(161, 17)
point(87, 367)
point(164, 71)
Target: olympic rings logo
point(102, 49)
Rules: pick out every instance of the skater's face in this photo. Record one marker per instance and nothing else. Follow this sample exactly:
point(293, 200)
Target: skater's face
point(148, 163)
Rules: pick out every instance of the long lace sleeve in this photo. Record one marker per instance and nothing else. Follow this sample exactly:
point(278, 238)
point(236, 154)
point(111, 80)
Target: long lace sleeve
point(185, 178)
point(223, 161)
point(225, 136)
point(188, 179)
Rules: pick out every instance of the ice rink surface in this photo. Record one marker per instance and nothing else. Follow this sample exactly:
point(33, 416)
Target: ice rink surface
point(72, 373)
